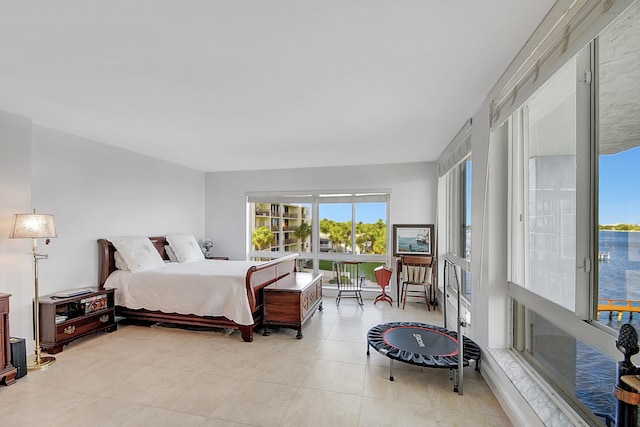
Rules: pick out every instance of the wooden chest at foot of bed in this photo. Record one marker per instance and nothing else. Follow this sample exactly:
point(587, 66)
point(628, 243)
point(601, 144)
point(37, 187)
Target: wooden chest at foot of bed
point(292, 300)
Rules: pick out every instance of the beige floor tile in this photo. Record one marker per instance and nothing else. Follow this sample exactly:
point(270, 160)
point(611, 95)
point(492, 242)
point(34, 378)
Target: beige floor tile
point(335, 376)
point(255, 403)
point(280, 369)
point(142, 375)
point(214, 422)
point(144, 385)
point(199, 395)
point(158, 417)
point(409, 386)
point(97, 412)
point(382, 412)
point(317, 329)
point(307, 347)
point(343, 351)
point(322, 408)
point(357, 334)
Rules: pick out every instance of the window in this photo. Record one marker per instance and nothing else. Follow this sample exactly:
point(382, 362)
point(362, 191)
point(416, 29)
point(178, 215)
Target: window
point(350, 226)
point(455, 169)
point(458, 223)
point(574, 164)
point(544, 156)
point(281, 227)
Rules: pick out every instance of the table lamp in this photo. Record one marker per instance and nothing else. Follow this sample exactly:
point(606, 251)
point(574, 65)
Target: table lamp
point(35, 226)
point(207, 245)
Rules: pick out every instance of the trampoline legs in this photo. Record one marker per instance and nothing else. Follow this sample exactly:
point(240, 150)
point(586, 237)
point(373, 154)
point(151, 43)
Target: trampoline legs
point(455, 380)
point(390, 362)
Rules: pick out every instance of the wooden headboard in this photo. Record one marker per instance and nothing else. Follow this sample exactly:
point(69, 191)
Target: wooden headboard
point(108, 261)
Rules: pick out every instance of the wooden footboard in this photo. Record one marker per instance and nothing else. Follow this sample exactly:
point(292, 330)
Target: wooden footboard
point(256, 279)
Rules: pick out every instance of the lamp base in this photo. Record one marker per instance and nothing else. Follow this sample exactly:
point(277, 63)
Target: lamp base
point(45, 362)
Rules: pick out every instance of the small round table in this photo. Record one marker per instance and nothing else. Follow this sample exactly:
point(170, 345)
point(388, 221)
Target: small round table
point(422, 345)
point(383, 275)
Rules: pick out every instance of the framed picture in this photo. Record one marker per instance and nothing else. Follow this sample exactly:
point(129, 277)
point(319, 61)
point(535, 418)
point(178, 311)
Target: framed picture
point(412, 239)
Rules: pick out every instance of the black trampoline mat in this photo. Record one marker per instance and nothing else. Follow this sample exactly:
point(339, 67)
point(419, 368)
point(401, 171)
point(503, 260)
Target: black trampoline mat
point(421, 344)
point(421, 340)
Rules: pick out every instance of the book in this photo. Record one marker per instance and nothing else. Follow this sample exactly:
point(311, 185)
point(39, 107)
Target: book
point(72, 293)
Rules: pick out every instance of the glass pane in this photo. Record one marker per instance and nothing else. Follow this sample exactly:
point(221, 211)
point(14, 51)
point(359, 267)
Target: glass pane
point(466, 222)
point(619, 174)
point(551, 188)
point(335, 227)
point(582, 373)
point(365, 271)
point(304, 264)
point(371, 228)
point(466, 284)
point(281, 227)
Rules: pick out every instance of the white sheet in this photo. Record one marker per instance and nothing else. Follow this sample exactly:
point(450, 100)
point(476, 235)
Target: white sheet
point(204, 288)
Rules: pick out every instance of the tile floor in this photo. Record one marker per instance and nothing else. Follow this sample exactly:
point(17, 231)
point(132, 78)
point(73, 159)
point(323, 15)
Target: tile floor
point(163, 376)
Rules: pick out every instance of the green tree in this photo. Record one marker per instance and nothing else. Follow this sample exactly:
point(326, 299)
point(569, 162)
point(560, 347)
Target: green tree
point(263, 238)
point(372, 238)
point(379, 237)
point(331, 229)
point(302, 232)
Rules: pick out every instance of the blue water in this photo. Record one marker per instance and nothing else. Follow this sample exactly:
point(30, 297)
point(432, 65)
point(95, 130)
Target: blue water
point(619, 278)
point(409, 244)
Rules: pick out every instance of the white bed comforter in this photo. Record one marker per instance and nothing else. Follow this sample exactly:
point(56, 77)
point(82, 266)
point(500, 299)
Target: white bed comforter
point(204, 288)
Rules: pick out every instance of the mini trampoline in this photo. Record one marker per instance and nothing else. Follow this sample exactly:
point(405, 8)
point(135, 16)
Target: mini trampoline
point(423, 345)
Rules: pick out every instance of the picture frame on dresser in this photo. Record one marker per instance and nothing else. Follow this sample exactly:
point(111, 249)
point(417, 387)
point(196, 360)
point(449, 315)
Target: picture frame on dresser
point(413, 239)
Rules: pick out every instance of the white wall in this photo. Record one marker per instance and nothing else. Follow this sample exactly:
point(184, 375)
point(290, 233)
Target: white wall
point(16, 266)
point(413, 189)
point(94, 191)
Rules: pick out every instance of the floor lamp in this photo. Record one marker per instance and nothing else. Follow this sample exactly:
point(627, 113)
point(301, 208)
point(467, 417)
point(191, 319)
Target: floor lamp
point(35, 226)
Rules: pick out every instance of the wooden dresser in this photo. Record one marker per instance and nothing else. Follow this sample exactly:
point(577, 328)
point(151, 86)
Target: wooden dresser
point(7, 371)
point(292, 300)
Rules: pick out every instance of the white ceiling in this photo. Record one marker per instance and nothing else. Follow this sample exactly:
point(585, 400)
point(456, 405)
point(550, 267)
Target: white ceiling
point(219, 85)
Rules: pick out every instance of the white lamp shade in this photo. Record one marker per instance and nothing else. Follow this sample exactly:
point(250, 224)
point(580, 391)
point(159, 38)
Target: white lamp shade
point(33, 226)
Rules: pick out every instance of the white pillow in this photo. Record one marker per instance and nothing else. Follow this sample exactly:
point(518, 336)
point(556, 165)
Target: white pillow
point(170, 254)
point(138, 253)
point(121, 264)
point(185, 247)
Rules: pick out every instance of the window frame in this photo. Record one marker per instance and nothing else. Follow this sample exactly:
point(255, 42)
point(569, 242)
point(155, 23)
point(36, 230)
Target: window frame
point(315, 198)
point(578, 322)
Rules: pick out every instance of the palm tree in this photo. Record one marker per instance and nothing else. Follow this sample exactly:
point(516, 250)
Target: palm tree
point(263, 237)
point(302, 232)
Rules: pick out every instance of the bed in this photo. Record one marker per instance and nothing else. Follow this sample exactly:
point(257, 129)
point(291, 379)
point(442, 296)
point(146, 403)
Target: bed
point(255, 278)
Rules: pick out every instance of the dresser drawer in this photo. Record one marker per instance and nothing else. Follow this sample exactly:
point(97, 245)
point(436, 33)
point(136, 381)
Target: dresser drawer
point(69, 330)
point(4, 306)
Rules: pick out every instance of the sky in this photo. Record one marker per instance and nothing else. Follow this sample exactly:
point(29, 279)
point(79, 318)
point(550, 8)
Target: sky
point(367, 213)
point(619, 191)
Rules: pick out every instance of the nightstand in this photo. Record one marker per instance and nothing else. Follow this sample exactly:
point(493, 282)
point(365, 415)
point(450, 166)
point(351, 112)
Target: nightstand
point(63, 320)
